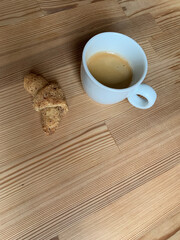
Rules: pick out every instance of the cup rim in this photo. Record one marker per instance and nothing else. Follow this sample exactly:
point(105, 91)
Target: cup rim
point(100, 84)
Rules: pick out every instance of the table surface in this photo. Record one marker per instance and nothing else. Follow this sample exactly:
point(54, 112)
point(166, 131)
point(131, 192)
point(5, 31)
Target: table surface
point(109, 172)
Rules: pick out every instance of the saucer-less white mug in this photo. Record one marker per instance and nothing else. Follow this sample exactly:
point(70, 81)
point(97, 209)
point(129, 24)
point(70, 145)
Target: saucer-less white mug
point(131, 51)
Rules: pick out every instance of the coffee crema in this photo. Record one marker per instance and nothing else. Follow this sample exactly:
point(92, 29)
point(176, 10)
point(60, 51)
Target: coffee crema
point(110, 70)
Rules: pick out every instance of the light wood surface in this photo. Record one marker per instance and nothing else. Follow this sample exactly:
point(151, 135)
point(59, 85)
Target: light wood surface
point(109, 172)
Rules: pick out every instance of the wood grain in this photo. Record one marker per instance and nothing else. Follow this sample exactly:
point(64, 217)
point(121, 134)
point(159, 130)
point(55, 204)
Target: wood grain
point(169, 229)
point(110, 172)
point(123, 218)
point(14, 11)
point(54, 6)
point(165, 12)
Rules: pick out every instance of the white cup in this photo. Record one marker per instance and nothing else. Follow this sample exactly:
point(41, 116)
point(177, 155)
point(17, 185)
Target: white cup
point(131, 51)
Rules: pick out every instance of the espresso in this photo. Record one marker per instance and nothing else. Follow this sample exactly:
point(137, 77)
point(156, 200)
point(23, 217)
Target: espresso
point(110, 69)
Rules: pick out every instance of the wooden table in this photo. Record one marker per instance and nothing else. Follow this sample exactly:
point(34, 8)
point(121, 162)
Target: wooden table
point(109, 172)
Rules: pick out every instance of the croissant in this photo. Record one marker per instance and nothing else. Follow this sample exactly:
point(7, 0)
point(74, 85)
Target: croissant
point(48, 99)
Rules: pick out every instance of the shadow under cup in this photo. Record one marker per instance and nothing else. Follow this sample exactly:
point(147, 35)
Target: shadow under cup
point(122, 45)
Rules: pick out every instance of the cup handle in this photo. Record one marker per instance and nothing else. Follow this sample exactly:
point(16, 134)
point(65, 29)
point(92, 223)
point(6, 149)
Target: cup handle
point(148, 94)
